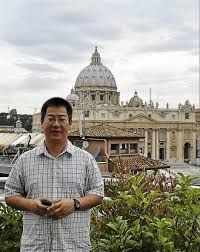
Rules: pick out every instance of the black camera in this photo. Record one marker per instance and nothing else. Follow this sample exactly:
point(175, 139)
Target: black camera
point(46, 202)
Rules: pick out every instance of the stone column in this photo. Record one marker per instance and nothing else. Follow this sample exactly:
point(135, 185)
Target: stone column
point(168, 145)
point(194, 146)
point(81, 97)
point(98, 97)
point(118, 99)
point(146, 143)
point(179, 145)
point(114, 98)
point(157, 144)
point(153, 147)
point(106, 94)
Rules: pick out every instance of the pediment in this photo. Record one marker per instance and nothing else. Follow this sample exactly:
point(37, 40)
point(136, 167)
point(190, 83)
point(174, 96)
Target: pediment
point(141, 118)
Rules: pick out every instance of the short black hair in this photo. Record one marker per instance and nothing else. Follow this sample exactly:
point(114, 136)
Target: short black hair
point(56, 102)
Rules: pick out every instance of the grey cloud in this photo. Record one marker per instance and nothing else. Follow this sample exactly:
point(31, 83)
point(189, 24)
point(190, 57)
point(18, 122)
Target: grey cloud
point(101, 32)
point(180, 40)
point(38, 84)
point(39, 67)
point(53, 29)
point(60, 53)
point(44, 22)
point(46, 25)
point(32, 84)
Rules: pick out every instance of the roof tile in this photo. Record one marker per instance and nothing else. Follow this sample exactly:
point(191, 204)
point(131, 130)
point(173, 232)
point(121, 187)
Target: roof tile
point(136, 162)
point(105, 130)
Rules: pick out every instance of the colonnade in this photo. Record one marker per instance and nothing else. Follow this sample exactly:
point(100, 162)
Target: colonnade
point(179, 142)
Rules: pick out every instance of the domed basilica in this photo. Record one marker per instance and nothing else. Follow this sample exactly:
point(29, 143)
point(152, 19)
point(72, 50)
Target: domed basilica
point(169, 133)
point(96, 84)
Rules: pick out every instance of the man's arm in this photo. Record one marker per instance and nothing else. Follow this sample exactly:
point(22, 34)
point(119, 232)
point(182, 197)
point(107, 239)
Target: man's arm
point(65, 206)
point(25, 204)
point(90, 201)
point(15, 193)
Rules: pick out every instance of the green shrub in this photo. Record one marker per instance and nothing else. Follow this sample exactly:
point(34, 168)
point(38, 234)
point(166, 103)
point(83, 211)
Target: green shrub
point(145, 213)
point(10, 228)
point(151, 213)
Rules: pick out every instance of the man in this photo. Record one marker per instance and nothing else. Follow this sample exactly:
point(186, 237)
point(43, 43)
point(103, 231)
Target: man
point(61, 173)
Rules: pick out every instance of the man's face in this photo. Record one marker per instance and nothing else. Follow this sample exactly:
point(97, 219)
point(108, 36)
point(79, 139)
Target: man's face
point(56, 124)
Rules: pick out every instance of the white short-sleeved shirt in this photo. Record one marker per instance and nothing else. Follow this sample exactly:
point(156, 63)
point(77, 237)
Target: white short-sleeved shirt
point(73, 174)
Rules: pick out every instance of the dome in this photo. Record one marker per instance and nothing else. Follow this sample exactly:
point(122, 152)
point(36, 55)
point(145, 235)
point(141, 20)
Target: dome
point(135, 101)
point(72, 97)
point(18, 123)
point(95, 75)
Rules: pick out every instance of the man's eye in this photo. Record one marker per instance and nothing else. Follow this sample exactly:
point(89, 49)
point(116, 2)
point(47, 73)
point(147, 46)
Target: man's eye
point(59, 119)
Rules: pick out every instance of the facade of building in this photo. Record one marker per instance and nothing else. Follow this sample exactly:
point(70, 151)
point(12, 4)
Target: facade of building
point(104, 141)
point(115, 149)
point(9, 128)
point(170, 134)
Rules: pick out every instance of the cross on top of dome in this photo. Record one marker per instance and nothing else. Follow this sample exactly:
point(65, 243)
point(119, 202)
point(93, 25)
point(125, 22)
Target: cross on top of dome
point(96, 59)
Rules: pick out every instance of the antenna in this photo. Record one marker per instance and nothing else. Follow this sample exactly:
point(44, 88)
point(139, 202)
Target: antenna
point(34, 109)
point(150, 101)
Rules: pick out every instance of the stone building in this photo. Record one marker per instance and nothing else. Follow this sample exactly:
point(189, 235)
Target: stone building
point(115, 149)
point(170, 134)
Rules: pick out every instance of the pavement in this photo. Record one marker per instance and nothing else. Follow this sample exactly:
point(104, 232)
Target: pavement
point(186, 169)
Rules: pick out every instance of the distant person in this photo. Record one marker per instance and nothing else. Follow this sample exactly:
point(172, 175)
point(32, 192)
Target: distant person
point(60, 174)
point(29, 140)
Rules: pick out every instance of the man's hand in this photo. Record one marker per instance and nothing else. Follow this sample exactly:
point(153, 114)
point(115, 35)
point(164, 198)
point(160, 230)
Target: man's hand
point(37, 207)
point(61, 208)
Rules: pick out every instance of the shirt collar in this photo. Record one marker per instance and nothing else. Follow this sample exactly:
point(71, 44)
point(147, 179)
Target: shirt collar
point(69, 148)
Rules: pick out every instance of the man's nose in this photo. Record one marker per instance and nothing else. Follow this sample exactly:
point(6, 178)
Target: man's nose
point(56, 122)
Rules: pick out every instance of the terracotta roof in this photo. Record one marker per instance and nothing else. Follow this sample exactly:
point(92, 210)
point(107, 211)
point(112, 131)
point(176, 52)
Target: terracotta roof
point(105, 130)
point(136, 162)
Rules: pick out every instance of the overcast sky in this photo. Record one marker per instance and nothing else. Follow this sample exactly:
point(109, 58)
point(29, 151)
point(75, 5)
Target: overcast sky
point(44, 44)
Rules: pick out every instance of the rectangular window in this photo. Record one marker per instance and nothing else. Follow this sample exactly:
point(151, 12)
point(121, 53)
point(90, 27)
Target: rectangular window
point(123, 148)
point(93, 97)
point(101, 97)
point(78, 143)
point(187, 115)
point(114, 148)
point(115, 115)
point(133, 148)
